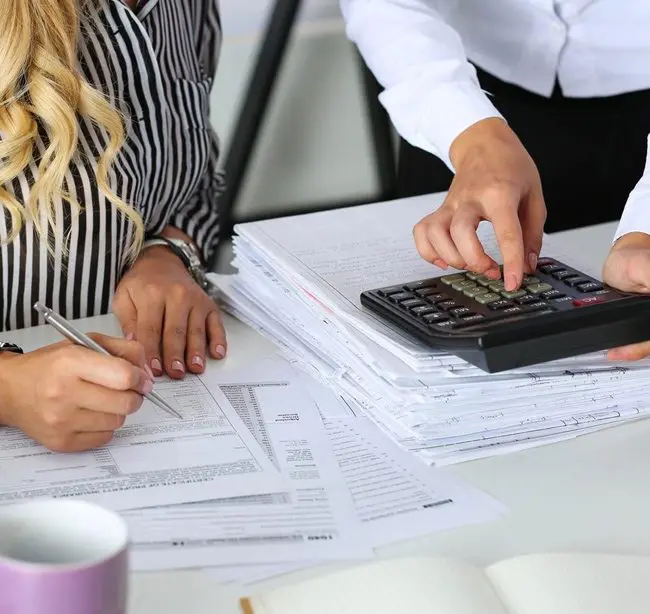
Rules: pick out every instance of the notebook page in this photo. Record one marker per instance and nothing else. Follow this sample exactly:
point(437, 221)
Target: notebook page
point(415, 585)
point(573, 584)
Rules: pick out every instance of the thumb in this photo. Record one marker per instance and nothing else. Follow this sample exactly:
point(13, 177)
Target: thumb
point(628, 269)
point(532, 216)
point(126, 313)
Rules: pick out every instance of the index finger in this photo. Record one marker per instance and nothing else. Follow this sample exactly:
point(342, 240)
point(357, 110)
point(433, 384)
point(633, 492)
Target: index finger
point(110, 372)
point(511, 243)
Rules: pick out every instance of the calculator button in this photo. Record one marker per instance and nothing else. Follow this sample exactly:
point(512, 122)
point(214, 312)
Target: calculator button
point(421, 285)
point(539, 288)
point(497, 286)
point(401, 296)
point(391, 291)
point(500, 304)
point(460, 311)
point(529, 298)
point(452, 279)
point(483, 280)
point(564, 274)
point(461, 285)
point(590, 300)
point(433, 318)
point(552, 294)
point(428, 292)
point(531, 279)
point(486, 299)
point(436, 298)
point(447, 305)
point(576, 281)
point(513, 294)
point(445, 324)
point(590, 286)
point(412, 302)
point(472, 276)
point(544, 261)
point(475, 291)
point(548, 269)
point(471, 315)
point(422, 310)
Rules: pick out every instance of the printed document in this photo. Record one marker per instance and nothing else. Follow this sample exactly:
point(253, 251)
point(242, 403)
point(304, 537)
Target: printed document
point(155, 459)
point(313, 519)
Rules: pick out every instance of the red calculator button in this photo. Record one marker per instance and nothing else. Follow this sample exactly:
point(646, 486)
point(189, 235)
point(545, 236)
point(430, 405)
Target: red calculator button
point(590, 300)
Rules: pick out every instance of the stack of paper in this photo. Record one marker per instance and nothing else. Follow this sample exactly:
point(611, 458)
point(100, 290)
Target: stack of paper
point(299, 281)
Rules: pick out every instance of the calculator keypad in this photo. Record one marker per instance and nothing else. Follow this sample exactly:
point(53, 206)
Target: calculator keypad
point(461, 300)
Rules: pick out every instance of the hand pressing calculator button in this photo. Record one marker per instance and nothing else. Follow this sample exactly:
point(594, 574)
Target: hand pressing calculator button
point(556, 313)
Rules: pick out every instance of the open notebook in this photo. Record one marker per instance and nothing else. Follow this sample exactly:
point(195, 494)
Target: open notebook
point(533, 584)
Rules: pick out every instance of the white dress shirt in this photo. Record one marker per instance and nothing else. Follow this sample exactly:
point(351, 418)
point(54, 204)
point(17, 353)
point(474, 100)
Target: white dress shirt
point(419, 51)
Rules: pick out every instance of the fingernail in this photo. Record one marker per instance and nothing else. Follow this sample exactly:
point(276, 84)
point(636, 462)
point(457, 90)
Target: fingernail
point(149, 372)
point(130, 337)
point(177, 365)
point(512, 283)
point(197, 361)
point(441, 264)
point(493, 273)
point(147, 386)
point(220, 351)
point(156, 366)
point(532, 259)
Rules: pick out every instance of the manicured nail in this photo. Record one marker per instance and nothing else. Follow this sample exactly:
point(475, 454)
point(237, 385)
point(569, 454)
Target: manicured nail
point(532, 260)
point(130, 337)
point(220, 351)
point(147, 386)
point(177, 365)
point(149, 372)
point(156, 366)
point(511, 284)
point(197, 361)
point(441, 264)
point(493, 273)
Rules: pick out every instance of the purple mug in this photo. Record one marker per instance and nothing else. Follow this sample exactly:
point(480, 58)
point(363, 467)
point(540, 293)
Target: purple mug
point(62, 557)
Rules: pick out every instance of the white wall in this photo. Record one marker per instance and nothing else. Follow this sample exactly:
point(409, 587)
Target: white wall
point(315, 146)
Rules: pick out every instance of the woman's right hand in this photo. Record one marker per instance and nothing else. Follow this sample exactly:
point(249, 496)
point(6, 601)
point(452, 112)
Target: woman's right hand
point(70, 398)
point(496, 180)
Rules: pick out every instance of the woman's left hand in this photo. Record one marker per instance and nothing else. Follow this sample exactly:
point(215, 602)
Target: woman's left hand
point(628, 268)
point(158, 303)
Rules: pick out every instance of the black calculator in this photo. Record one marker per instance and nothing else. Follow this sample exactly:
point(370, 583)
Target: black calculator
point(557, 312)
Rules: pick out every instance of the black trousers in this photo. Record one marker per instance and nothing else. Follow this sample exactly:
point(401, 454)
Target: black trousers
point(590, 152)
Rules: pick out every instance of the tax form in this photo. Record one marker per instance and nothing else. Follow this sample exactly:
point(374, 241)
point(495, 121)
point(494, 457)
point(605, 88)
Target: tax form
point(313, 519)
point(153, 460)
point(396, 496)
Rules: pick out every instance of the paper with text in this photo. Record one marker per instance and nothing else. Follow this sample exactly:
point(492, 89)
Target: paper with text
point(153, 460)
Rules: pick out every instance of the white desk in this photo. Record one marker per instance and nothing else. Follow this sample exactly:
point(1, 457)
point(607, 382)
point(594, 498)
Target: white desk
point(590, 494)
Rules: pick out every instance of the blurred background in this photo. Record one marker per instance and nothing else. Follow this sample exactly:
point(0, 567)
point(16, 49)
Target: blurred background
point(316, 146)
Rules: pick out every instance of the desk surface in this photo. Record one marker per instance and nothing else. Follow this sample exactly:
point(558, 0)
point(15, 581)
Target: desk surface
point(589, 494)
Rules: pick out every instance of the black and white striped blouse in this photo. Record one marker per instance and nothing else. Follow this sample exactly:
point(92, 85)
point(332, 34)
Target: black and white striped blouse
point(156, 64)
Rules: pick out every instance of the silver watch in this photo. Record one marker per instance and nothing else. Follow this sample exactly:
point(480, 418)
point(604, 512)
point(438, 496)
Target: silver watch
point(188, 253)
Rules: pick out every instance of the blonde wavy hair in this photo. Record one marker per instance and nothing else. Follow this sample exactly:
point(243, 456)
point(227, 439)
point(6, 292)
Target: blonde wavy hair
point(41, 86)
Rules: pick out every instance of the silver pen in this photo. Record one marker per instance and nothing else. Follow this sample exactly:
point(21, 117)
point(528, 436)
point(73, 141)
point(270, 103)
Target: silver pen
point(64, 327)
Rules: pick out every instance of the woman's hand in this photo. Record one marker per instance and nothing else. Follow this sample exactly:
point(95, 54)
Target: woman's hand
point(628, 268)
point(70, 398)
point(496, 180)
point(158, 303)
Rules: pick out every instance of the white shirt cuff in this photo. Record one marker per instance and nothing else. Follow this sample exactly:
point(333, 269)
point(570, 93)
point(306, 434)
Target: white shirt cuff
point(636, 215)
point(439, 115)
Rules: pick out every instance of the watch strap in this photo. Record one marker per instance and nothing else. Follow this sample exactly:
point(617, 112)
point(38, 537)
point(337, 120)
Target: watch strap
point(10, 347)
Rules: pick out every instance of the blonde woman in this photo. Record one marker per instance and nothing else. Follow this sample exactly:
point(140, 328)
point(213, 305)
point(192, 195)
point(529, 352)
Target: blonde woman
point(108, 181)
